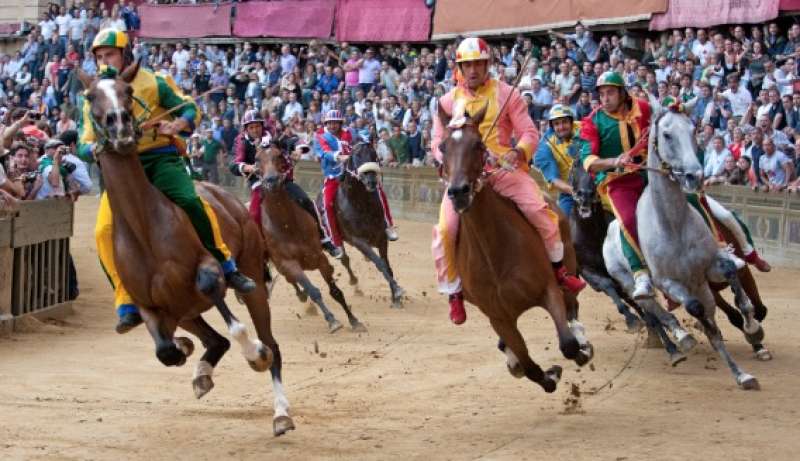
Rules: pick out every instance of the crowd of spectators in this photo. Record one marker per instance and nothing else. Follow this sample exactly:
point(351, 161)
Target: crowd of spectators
point(740, 82)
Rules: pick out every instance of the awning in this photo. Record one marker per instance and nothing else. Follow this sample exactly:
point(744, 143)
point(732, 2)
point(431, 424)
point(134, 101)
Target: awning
point(383, 21)
point(185, 21)
point(708, 13)
point(287, 18)
point(789, 5)
point(501, 17)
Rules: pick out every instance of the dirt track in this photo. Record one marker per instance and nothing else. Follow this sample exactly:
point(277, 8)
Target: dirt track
point(413, 387)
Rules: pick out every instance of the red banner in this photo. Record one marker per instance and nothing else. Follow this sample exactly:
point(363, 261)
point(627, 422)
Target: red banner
point(185, 21)
point(286, 19)
point(707, 13)
point(383, 21)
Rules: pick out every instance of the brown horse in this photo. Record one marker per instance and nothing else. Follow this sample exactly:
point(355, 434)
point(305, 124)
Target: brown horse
point(502, 259)
point(292, 238)
point(360, 216)
point(170, 275)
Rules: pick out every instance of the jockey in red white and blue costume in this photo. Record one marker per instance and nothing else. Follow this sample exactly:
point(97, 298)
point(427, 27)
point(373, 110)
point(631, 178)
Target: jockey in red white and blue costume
point(333, 146)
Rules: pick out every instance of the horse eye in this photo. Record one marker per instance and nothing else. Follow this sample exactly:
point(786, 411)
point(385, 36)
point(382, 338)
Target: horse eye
point(441, 148)
point(667, 136)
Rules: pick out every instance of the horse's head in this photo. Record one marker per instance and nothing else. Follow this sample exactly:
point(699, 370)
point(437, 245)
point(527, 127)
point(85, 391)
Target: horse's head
point(363, 163)
point(272, 165)
point(111, 110)
point(463, 156)
point(673, 147)
point(583, 190)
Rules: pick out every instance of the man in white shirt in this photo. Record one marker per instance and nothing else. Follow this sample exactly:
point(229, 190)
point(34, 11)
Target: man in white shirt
point(180, 57)
point(663, 70)
point(292, 108)
point(47, 26)
point(62, 21)
point(715, 157)
point(738, 96)
point(77, 26)
point(702, 47)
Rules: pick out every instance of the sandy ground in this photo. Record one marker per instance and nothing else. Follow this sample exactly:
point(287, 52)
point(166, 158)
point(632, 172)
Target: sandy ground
point(414, 387)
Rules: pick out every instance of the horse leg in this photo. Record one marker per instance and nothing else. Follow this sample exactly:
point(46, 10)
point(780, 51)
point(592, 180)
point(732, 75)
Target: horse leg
point(353, 279)
point(327, 274)
point(316, 297)
point(216, 346)
point(724, 267)
point(517, 355)
point(162, 329)
point(571, 333)
point(750, 287)
point(397, 291)
point(682, 338)
point(383, 266)
point(703, 309)
point(602, 283)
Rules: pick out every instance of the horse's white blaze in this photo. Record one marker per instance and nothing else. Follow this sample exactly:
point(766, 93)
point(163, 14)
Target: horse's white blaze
point(249, 348)
point(106, 85)
point(456, 135)
point(203, 368)
point(281, 402)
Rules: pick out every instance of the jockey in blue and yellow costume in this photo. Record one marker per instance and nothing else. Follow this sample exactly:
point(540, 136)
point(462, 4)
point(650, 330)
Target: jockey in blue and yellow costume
point(153, 95)
point(557, 151)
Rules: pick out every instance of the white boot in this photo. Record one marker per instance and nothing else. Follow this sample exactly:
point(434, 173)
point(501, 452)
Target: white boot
point(391, 234)
point(643, 288)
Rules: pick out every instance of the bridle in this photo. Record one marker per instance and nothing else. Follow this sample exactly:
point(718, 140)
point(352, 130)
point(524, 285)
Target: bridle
point(103, 135)
point(665, 168)
point(366, 167)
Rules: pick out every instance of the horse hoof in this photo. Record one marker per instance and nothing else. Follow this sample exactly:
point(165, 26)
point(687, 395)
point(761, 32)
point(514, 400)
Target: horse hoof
point(748, 383)
point(358, 327)
point(585, 354)
point(334, 326)
point(516, 371)
point(171, 356)
point(282, 425)
point(634, 325)
point(185, 345)
point(202, 385)
point(551, 379)
point(676, 357)
point(763, 354)
point(755, 338)
point(264, 360)
point(397, 303)
point(687, 343)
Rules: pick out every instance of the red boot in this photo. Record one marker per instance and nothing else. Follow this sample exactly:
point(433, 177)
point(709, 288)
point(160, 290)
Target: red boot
point(457, 313)
point(754, 259)
point(569, 281)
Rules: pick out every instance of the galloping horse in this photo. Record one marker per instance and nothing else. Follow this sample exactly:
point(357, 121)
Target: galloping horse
point(589, 224)
point(675, 241)
point(360, 216)
point(292, 238)
point(502, 260)
point(169, 274)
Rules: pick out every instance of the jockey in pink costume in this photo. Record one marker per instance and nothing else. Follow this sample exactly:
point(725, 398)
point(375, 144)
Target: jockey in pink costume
point(475, 91)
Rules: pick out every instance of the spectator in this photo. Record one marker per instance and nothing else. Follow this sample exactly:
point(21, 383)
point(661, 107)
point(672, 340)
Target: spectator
point(368, 70)
point(416, 151)
point(714, 160)
point(775, 167)
point(399, 146)
point(210, 149)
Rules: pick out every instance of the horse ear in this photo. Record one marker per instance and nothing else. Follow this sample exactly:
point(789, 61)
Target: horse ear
point(130, 72)
point(85, 79)
point(444, 117)
point(479, 116)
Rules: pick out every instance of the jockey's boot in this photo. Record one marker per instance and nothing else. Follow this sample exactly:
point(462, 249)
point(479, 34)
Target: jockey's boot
point(240, 282)
point(755, 259)
point(571, 282)
point(332, 249)
point(643, 287)
point(391, 234)
point(457, 313)
point(129, 318)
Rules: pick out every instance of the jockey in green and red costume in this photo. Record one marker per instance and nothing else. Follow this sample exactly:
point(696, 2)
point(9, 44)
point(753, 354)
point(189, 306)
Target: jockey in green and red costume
point(616, 135)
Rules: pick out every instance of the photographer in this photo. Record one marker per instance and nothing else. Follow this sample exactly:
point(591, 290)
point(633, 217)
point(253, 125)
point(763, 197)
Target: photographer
point(22, 171)
point(60, 172)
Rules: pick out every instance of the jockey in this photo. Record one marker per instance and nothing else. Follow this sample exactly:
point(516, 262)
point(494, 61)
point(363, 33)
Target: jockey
point(154, 94)
point(557, 151)
point(244, 164)
point(475, 91)
point(333, 145)
point(615, 135)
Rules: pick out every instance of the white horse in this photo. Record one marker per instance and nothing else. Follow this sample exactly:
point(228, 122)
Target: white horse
point(677, 244)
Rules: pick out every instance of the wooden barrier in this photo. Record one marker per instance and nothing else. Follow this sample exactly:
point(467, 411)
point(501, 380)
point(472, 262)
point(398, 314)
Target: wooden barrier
point(416, 193)
point(34, 251)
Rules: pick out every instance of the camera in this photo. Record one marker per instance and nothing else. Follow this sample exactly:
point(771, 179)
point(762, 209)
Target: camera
point(29, 176)
point(69, 167)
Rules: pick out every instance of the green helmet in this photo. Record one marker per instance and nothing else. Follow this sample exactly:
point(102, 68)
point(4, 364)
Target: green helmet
point(110, 37)
point(560, 111)
point(610, 78)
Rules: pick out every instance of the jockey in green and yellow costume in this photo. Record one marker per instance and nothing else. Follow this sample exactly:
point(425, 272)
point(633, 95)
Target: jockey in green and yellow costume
point(153, 94)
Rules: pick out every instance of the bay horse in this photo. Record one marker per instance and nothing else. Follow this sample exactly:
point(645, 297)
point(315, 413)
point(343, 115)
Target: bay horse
point(502, 260)
point(292, 238)
point(360, 216)
point(680, 250)
point(170, 275)
point(589, 224)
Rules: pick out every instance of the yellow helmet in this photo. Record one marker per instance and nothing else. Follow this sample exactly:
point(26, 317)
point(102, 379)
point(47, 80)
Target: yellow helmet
point(110, 37)
point(472, 49)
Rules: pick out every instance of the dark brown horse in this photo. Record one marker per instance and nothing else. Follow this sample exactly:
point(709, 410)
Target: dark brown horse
point(502, 259)
point(292, 238)
point(360, 216)
point(169, 274)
